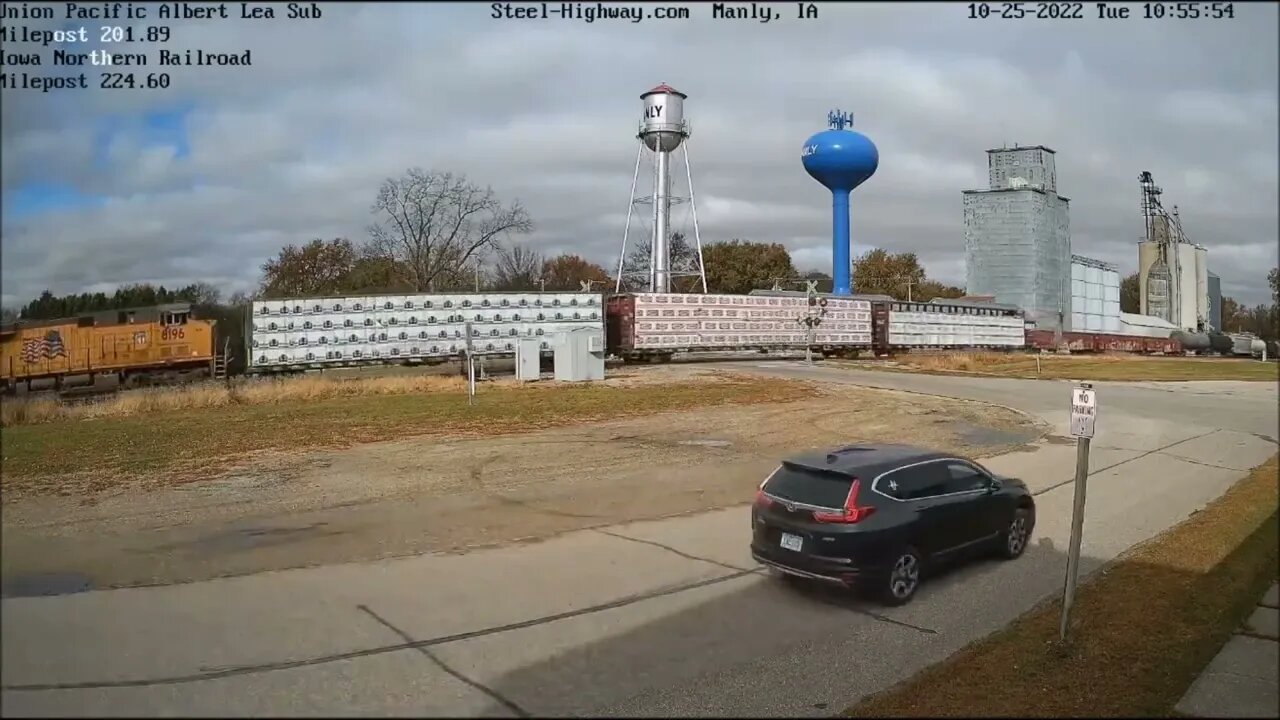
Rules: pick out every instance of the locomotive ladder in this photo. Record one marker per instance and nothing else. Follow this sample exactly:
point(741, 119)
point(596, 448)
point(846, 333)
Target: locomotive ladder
point(220, 362)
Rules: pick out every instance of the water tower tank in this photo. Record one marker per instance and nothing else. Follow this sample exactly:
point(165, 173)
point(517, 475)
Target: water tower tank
point(662, 127)
point(841, 160)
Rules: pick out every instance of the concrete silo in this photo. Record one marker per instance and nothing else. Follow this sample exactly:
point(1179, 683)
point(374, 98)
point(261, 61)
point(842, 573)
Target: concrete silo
point(1202, 286)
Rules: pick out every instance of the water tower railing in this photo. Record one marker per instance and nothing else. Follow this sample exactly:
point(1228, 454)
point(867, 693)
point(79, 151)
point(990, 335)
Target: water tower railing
point(683, 128)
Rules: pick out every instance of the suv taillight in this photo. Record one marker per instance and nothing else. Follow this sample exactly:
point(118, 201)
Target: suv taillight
point(851, 513)
point(763, 500)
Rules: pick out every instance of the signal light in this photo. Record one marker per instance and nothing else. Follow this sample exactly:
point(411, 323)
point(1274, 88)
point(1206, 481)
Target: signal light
point(851, 513)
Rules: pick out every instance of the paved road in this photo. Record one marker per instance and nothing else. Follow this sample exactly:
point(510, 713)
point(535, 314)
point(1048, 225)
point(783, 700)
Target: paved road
point(658, 618)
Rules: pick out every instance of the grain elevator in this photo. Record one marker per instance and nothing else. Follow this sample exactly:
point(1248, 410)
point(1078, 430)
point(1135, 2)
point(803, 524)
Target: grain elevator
point(1017, 236)
point(1173, 272)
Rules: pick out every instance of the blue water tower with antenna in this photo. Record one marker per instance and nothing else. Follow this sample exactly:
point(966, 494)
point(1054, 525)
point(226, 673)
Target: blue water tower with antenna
point(840, 159)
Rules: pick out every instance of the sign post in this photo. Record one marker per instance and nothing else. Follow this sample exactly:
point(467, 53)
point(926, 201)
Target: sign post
point(471, 368)
point(1084, 411)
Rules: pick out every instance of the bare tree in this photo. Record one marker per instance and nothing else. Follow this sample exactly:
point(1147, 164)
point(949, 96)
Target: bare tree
point(684, 259)
point(516, 267)
point(433, 224)
point(240, 297)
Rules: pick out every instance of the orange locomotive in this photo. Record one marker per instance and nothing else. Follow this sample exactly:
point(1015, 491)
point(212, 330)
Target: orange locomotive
point(132, 344)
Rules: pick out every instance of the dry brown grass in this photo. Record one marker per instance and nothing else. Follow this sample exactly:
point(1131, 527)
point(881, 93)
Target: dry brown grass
point(33, 411)
point(182, 444)
point(1104, 366)
point(963, 362)
point(1142, 629)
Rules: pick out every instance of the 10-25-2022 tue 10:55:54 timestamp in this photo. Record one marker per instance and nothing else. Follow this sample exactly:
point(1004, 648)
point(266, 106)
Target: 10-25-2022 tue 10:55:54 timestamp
point(1102, 11)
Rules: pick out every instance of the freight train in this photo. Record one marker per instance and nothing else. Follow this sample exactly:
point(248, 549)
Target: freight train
point(165, 343)
point(297, 334)
point(135, 345)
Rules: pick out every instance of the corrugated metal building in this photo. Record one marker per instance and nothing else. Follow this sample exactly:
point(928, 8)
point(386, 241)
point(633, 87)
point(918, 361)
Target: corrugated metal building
point(1017, 236)
point(1145, 325)
point(1215, 300)
point(1095, 296)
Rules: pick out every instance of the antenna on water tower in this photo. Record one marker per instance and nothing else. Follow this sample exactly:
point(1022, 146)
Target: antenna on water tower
point(663, 130)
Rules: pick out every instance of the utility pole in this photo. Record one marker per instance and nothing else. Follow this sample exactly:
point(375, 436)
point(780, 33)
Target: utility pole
point(1084, 412)
point(471, 368)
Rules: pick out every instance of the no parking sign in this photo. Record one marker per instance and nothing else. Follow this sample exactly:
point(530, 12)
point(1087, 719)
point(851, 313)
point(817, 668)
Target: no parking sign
point(1084, 411)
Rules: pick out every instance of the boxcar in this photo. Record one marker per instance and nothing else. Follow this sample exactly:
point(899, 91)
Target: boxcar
point(657, 325)
point(1103, 342)
point(901, 325)
point(299, 334)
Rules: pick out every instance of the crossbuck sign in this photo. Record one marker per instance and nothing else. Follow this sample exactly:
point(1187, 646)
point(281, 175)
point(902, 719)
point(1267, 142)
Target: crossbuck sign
point(1084, 411)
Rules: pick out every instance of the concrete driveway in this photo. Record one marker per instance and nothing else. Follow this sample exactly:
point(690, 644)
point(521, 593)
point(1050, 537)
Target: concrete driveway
point(661, 618)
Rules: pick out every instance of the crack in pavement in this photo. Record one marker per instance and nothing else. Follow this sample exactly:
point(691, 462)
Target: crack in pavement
point(1205, 464)
point(1159, 450)
point(382, 649)
point(670, 549)
point(491, 693)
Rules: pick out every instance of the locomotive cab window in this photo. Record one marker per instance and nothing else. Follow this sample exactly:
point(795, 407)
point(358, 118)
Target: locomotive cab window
point(173, 318)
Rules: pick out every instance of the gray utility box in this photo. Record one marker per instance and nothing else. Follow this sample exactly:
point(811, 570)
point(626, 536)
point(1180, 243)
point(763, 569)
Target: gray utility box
point(579, 355)
point(528, 359)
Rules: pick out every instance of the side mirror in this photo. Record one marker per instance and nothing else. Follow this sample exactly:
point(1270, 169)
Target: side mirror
point(994, 486)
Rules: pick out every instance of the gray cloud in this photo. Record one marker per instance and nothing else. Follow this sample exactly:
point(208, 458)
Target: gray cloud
point(545, 111)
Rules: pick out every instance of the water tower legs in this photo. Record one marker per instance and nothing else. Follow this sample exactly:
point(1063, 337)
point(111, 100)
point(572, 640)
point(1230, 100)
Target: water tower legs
point(841, 265)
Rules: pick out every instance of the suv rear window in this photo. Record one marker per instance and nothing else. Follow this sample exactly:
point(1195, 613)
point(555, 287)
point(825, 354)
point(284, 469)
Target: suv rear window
point(809, 487)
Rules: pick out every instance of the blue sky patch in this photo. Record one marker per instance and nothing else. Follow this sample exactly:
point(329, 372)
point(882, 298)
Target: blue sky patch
point(159, 127)
point(42, 197)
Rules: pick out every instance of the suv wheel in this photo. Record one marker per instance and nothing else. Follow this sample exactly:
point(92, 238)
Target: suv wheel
point(903, 578)
point(1013, 541)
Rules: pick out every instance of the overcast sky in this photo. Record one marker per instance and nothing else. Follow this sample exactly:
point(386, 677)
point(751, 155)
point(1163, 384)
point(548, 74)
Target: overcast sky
point(208, 179)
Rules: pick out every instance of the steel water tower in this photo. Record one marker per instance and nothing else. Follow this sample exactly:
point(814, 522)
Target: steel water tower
point(663, 130)
point(841, 160)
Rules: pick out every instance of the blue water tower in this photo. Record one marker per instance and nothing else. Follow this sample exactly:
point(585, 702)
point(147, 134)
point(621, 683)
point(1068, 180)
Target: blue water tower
point(841, 160)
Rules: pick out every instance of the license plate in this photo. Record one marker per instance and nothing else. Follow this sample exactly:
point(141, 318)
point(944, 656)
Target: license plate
point(792, 542)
